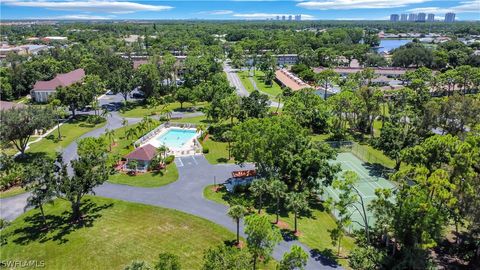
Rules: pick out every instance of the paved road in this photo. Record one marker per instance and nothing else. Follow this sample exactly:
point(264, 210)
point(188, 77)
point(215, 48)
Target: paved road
point(234, 80)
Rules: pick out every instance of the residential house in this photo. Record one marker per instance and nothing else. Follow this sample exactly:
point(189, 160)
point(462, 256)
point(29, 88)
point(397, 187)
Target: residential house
point(42, 90)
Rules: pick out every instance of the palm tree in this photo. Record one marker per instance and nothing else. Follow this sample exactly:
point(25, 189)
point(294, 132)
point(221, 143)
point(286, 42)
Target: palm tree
point(258, 188)
point(277, 190)
point(166, 112)
point(110, 135)
point(325, 78)
point(142, 126)
point(106, 113)
point(297, 202)
point(163, 149)
point(200, 128)
point(279, 97)
point(132, 165)
point(131, 133)
point(228, 136)
point(57, 108)
point(237, 212)
point(124, 122)
point(148, 121)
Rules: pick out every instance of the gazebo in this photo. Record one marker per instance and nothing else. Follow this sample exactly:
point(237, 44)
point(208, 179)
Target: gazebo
point(143, 156)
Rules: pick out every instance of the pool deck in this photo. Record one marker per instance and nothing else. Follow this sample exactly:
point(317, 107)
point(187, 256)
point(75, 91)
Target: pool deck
point(189, 148)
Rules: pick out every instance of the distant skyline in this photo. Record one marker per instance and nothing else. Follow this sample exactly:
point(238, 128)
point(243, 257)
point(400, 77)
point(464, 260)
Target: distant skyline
point(232, 9)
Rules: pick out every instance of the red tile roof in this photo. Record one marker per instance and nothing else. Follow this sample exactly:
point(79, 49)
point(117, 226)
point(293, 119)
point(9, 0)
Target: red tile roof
point(289, 80)
point(244, 174)
point(145, 153)
point(65, 79)
point(138, 63)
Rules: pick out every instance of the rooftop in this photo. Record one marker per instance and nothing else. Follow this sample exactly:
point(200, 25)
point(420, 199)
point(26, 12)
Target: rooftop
point(65, 79)
point(144, 153)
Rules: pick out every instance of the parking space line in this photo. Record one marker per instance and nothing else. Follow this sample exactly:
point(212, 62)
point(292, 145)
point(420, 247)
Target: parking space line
point(179, 160)
point(194, 160)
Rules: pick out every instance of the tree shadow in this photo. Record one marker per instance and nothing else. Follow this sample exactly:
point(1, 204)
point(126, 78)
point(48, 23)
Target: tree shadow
point(376, 169)
point(288, 235)
point(222, 160)
point(59, 226)
point(29, 157)
point(325, 257)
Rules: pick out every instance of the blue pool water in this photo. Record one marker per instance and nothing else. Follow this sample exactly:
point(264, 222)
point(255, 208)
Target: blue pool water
point(176, 138)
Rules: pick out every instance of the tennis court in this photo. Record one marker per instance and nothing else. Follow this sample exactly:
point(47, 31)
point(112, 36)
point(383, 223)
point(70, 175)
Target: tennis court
point(371, 177)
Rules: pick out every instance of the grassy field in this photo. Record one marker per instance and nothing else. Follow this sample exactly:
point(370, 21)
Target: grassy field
point(70, 131)
point(149, 179)
point(218, 151)
point(112, 234)
point(272, 91)
point(369, 154)
point(202, 119)
point(139, 110)
point(314, 228)
point(11, 192)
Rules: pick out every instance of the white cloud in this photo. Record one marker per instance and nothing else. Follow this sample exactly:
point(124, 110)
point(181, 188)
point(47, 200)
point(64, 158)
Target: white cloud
point(463, 7)
point(107, 6)
point(216, 12)
point(76, 17)
point(353, 4)
point(262, 16)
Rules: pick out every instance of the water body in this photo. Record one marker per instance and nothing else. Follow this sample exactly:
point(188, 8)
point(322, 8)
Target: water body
point(387, 45)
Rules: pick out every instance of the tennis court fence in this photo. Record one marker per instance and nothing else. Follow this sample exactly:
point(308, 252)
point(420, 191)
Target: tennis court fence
point(363, 153)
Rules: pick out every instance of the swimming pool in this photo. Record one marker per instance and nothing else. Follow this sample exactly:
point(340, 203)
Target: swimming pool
point(175, 138)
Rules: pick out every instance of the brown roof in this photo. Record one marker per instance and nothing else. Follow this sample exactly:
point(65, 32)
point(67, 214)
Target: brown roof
point(138, 63)
point(287, 79)
point(244, 174)
point(145, 153)
point(65, 79)
point(5, 105)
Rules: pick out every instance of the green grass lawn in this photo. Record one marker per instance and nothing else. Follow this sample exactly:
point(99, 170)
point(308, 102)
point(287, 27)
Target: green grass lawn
point(243, 75)
point(369, 154)
point(139, 110)
point(112, 235)
point(70, 131)
point(218, 151)
point(202, 119)
point(149, 179)
point(320, 137)
point(10, 149)
point(314, 228)
point(12, 192)
point(272, 90)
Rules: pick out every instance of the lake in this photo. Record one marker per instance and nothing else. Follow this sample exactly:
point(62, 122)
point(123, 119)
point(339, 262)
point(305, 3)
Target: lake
point(387, 45)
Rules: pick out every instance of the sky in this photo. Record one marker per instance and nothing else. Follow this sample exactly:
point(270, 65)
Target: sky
point(231, 9)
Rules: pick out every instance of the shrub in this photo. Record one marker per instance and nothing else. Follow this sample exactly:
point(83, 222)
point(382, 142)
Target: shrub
point(169, 159)
point(95, 119)
point(205, 150)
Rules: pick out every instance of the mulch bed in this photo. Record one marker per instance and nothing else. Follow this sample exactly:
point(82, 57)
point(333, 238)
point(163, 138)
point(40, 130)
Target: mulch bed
point(282, 225)
point(216, 188)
